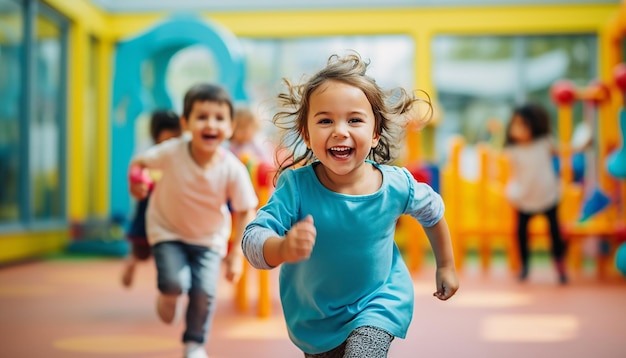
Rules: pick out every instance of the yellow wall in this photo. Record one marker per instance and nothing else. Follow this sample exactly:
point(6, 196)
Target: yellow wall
point(24, 245)
point(421, 24)
point(86, 21)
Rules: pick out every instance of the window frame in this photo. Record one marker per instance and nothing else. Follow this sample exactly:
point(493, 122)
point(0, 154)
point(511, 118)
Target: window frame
point(26, 220)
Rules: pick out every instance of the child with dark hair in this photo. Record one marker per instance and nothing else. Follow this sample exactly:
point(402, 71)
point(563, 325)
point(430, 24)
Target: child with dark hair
point(533, 188)
point(164, 124)
point(188, 219)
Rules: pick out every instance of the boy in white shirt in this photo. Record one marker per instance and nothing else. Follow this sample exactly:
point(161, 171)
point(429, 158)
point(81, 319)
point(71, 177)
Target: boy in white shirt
point(188, 217)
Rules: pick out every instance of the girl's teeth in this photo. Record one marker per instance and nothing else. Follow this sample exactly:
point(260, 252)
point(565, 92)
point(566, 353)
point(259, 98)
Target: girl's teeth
point(340, 152)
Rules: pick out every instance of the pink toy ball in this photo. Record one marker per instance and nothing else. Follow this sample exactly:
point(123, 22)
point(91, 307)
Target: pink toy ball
point(619, 75)
point(138, 175)
point(563, 93)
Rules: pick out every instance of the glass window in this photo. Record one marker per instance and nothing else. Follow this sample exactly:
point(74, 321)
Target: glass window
point(187, 67)
point(46, 129)
point(479, 79)
point(11, 89)
point(270, 60)
point(571, 57)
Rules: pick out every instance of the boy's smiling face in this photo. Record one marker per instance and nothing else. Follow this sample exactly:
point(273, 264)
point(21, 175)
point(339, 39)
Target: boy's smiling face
point(209, 123)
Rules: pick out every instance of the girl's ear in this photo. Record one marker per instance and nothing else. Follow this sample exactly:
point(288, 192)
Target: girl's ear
point(305, 138)
point(183, 123)
point(375, 140)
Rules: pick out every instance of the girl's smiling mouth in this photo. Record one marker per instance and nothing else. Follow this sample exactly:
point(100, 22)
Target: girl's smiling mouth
point(340, 152)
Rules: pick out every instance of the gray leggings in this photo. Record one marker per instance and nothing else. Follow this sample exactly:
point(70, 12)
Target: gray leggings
point(363, 342)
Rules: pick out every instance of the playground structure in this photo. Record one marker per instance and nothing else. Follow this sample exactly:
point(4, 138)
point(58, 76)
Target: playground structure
point(480, 218)
point(261, 175)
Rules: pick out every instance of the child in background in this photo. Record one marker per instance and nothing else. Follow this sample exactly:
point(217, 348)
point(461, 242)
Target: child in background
point(164, 124)
point(330, 223)
point(246, 142)
point(534, 186)
point(188, 220)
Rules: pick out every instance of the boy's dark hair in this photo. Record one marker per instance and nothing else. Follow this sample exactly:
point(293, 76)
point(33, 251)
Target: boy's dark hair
point(161, 120)
point(536, 118)
point(206, 92)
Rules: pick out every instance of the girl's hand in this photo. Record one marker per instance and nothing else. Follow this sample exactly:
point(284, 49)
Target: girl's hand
point(299, 241)
point(447, 283)
point(234, 266)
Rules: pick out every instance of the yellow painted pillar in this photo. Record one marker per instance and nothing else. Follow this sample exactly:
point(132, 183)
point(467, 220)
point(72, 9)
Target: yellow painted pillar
point(503, 218)
point(423, 81)
point(264, 309)
point(484, 234)
point(78, 52)
point(565, 133)
point(607, 138)
point(104, 85)
point(241, 288)
point(454, 205)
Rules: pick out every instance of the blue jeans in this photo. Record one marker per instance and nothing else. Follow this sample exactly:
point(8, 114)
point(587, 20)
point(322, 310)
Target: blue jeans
point(192, 269)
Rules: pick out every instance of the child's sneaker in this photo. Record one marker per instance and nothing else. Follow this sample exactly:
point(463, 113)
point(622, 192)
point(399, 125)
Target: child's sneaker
point(195, 350)
point(166, 307)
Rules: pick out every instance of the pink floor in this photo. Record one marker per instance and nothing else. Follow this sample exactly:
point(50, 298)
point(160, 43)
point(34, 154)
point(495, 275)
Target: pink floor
point(77, 308)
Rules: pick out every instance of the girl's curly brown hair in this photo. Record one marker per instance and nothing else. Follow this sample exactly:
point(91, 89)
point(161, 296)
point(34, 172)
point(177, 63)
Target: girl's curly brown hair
point(392, 111)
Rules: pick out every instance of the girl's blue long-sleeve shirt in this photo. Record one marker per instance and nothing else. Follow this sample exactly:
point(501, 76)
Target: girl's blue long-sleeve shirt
point(355, 275)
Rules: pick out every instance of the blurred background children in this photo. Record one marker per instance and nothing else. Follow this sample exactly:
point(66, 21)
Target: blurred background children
point(533, 188)
point(247, 140)
point(164, 124)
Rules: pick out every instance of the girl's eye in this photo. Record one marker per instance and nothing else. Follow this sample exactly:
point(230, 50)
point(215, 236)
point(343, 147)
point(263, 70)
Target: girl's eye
point(324, 121)
point(356, 120)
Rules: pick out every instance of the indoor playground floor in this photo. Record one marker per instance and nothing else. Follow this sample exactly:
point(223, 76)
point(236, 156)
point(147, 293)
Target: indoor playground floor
point(69, 307)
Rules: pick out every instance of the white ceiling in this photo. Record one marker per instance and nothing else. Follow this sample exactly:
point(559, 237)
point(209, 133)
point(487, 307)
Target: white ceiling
point(265, 5)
